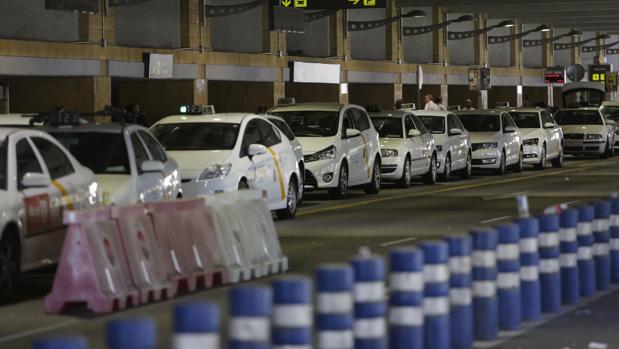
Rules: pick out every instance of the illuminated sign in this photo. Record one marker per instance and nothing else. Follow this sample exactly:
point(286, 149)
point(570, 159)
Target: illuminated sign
point(554, 75)
point(599, 72)
point(330, 4)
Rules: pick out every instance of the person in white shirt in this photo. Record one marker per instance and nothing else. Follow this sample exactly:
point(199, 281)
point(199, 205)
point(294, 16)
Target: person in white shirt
point(439, 102)
point(430, 105)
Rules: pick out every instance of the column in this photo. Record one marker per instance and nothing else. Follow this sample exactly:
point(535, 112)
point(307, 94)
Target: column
point(481, 41)
point(576, 51)
point(200, 88)
point(344, 80)
point(516, 46)
point(439, 37)
point(548, 52)
point(393, 40)
point(195, 31)
point(102, 93)
point(338, 37)
point(98, 27)
point(279, 87)
point(601, 52)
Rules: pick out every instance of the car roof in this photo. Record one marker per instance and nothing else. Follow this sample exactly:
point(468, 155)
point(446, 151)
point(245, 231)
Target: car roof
point(389, 114)
point(274, 117)
point(496, 112)
point(89, 128)
point(8, 131)
point(336, 107)
point(432, 113)
point(527, 110)
point(233, 118)
point(16, 119)
point(582, 108)
point(610, 104)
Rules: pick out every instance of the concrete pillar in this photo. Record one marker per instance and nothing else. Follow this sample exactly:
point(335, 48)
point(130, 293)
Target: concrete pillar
point(195, 31)
point(339, 43)
point(445, 94)
point(601, 51)
point(551, 96)
point(548, 51)
point(344, 97)
point(576, 51)
point(395, 47)
point(483, 99)
point(279, 87)
point(440, 49)
point(272, 42)
point(97, 27)
point(481, 41)
point(516, 59)
point(102, 93)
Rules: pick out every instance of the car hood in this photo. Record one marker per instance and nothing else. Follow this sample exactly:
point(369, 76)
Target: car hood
point(584, 129)
point(483, 137)
point(198, 160)
point(530, 133)
point(391, 143)
point(312, 145)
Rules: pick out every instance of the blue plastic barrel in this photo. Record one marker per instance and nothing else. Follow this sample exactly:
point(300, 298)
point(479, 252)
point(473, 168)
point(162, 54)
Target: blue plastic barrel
point(549, 266)
point(601, 247)
point(250, 314)
point(485, 302)
point(334, 307)
point(531, 303)
point(570, 284)
point(437, 334)
point(292, 313)
point(460, 293)
point(586, 265)
point(508, 279)
point(131, 334)
point(370, 306)
point(196, 325)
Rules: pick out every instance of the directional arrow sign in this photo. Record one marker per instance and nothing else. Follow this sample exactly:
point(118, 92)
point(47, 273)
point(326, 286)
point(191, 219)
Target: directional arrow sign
point(354, 2)
point(330, 4)
point(286, 3)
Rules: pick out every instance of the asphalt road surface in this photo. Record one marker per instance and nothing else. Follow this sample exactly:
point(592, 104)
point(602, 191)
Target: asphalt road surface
point(332, 231)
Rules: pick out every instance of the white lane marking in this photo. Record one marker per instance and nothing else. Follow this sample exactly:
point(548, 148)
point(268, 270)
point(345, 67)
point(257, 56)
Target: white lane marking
point(505, 196)
point(391, 243)
point(492, 220)
point(38, 330)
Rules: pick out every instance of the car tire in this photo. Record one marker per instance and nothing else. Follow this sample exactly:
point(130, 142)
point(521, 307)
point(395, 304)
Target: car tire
point(446, 175)
point(558, 161)
point(542, 162)
point(9, 267)
point(467, 172)
point(341, 191)
point(501, 170)
point(606, 153)
point(374, 186)
point(405, 181)
point(519, 166)
point(292, 200)
point(430, 177)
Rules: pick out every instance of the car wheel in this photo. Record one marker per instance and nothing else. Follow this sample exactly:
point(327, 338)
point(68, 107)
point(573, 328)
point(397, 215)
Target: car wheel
point(243, 185)
point(519, 166)
point(341, 190)
point(405, 180)
point(501, 169)
point(467, 172)
point(606, 153)
point(292, 200)
point(558, 161)
point(611, 149)
point(9, 267)
point(430, 177)
point(542, 162)
point(374, 186)
point(446, 175)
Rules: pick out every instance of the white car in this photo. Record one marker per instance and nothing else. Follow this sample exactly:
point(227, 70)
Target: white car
point(406, 147)
point(610, 109)
point(587, 132)
point(296, 147)
point(495, 139)
point(39, 179)
point(340, 145)
point(227, 152)
point(542, 137)
point(453, 143)
point(15, 120)
point(129, 163)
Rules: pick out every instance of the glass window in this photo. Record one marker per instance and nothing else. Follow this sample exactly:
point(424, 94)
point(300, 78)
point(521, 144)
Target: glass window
point(27, 161)
point(409, 124)
point(578, 117)
point(434, 123)
point(140, 154)
point(311, 123)
point(458, 122)
point(419, 125)
point(269, 135)
point(197, 136)
point(546, 117)
point(388, 127)
point(347, 123)
point(612, 112)
point(360, 119)
point(283, 126)
point(154, 148)
point(451, 122)
point(526, 120)
point(101, 152)
point(481, 123)
point(251, 136)
point(57, 162)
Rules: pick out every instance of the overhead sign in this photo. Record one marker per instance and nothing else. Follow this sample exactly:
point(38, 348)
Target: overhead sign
point(599, 72)
point(158, 66)
point(611, 82)
point(479, 79)
point(554, 75)
point(331, 4)
point(315, 73)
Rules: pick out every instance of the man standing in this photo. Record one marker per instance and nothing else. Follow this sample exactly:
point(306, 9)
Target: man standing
point(430, 105)
point(468, 104)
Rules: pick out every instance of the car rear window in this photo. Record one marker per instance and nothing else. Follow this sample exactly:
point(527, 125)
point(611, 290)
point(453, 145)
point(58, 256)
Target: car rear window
point(578, 117)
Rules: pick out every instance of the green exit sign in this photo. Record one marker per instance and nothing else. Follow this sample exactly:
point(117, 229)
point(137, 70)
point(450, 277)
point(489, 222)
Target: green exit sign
point(330, 4)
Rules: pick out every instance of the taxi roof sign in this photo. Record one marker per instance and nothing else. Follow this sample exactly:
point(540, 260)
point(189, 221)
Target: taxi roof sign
point(190, 109)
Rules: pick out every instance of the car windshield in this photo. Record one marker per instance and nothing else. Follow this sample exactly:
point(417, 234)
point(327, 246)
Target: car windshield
point(434, 123)
point(197, 135)
point(388, 127)
point(3, 167)
point(312, 123)
point(612, 112)
point(480, 122)
point(282, 126)
point(101, 152)
point(578, 117)
point(526, 120)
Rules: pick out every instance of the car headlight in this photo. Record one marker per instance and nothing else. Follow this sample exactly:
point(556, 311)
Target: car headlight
point(482, 146)
point(533, 141)
point(215, 171)
point(324, 154)
point(388, 153)
point(594, 136)
point(439, 148)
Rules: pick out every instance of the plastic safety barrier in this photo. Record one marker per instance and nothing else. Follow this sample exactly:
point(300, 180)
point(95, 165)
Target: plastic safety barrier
point(292, 313)
point(485, 302)
point(334, 307)
point(250, 318)
point(460, 295)
point(436, 294)
point(586, 265)
point(508, 278)
point(549, 268)
point(369, 299)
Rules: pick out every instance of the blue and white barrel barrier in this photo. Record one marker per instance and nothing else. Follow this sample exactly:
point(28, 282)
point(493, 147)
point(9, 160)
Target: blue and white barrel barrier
point(601, 247)
point(529, 269)
point(131, 334)
point(570, 284)
point(485, 302)
point(614, 240)
point(370, 329)
point(77, 342)
point(460, 293)
point(549, 267)
point(508, 279)
point(334, 307)
point(292, 313)
point(406, 299)
point(586, 265)
point(250, 318)
point(437, 333)
point(196, 325)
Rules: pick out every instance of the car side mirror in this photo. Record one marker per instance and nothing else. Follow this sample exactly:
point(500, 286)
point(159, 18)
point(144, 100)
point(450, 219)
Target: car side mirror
point(150, 166)
point(414, 133)
point(256, 149)
point(351, 133)
point(610, 122)
point(549, 125)
point(35, 180)
point(509, 129)
point(455, 132)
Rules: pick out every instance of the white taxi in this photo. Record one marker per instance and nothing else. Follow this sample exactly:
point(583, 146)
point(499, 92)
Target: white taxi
point(296, 147)
point(453, 143)
point(495, 139)
point(406, 146)
point(226, 152)
point(129, 163)
point(39, 179)
point(587, 132)
point(542, 137)
point(340, 145)
point(610, 109)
